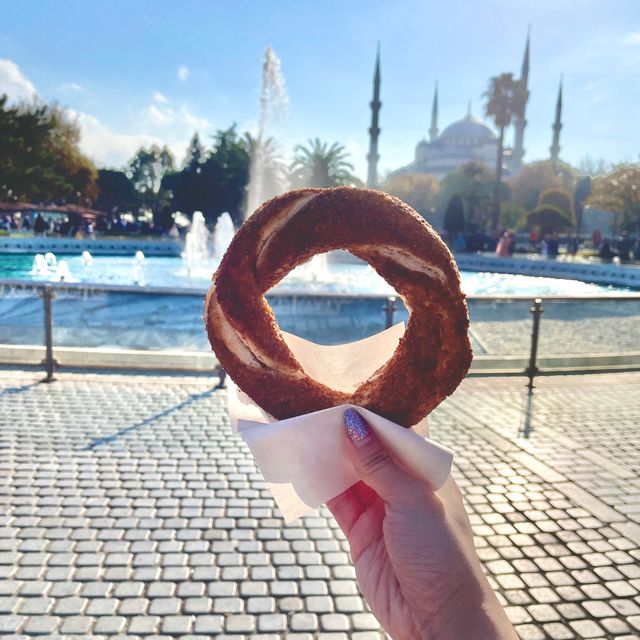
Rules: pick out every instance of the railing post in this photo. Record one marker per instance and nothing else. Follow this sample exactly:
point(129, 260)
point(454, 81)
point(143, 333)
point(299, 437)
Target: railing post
point(532, 369)
point(49, 361)
point(389, 308)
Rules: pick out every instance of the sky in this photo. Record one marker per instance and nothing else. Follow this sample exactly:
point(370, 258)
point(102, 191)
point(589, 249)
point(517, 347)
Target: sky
point(134, 73)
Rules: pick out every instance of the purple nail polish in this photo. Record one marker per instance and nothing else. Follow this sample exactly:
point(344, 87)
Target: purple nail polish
point(357, 428)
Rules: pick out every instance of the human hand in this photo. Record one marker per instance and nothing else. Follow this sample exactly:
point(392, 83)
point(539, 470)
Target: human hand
point(413, 549)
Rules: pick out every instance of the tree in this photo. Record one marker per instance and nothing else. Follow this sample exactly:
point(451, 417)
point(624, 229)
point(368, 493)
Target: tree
point(589, 166)
point(321, 165)
point(474, 182)
point(619, 192)
point(512, 215)
point(549, 219)
point(454, 216)
point(147, 168)
point(216, 185)
point(537, 177)
point(418, 190)
point(146, 171)
point(195, 154)
point(558, 198)
point(505, 99)
point(117, 193)
point(40, 158)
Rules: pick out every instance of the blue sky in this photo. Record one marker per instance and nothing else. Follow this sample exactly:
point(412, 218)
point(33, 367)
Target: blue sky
point(139, 72)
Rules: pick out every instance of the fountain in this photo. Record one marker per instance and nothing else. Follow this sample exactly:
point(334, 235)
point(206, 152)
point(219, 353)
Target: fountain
point(39, 266)
point(138, 269)
point(196, 244)
point(87, 258)
point(222, 236)
point(51, 260)
point(63, 273)
point(265, 180)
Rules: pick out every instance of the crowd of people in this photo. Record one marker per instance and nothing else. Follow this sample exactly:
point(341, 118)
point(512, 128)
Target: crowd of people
point(625, 248)
point(76, 227)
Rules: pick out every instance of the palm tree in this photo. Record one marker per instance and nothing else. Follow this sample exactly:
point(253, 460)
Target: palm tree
point(505, 97)
point(321, 165)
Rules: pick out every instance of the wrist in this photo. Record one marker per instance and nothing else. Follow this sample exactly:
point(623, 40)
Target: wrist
point(472, 612)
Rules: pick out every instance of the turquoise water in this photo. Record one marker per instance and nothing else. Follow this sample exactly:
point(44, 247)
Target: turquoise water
point(316, 276)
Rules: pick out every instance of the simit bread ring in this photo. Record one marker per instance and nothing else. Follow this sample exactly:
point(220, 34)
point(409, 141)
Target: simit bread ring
point(431, 358)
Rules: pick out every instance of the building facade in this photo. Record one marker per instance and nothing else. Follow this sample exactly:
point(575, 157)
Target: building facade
point(465, 140)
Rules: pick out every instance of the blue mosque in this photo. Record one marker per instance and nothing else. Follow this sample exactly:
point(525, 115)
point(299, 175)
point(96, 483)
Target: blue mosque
point(466, 140)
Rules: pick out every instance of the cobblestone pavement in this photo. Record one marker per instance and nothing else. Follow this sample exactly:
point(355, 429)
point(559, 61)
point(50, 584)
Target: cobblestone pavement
point(129, 509)
point(565, 327)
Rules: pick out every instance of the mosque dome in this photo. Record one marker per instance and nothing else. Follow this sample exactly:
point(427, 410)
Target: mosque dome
point(467, 131)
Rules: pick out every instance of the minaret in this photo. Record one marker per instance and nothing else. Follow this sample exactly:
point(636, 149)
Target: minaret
point(433, 131)
point(520, 121)
point(374, 129)
point(557, 125)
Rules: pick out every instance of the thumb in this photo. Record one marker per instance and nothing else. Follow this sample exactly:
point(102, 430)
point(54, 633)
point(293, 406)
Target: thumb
point(372, 461)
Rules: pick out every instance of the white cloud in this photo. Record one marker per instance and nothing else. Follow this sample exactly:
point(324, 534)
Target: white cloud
point(158, 116)
point(193, 121)
point(632, 38)
point(14, 83)
point(72, 87)
point(159, 97)
point(183, 73)
point(106, 146)
point(172, 121)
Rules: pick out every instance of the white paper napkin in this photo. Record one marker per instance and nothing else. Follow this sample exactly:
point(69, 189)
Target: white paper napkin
point(303, 459)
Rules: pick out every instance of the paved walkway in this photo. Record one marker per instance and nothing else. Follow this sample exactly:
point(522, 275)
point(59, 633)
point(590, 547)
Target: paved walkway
point(129, 509)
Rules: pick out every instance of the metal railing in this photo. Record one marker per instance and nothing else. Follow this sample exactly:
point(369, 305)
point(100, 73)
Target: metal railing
point(389, 308)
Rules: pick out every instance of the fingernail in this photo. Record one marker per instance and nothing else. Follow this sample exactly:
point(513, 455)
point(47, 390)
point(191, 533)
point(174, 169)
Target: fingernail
point(357, 429)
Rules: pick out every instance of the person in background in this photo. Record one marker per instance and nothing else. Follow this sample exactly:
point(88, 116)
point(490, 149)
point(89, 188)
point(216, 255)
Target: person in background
point(553, 246)
point(606, 254)
point(636, 250)
point(572, 245)
point(459, 243)
point(624, 246)
point(40, 225)
point(596, 239)
point(502, 250)
point(544, 247)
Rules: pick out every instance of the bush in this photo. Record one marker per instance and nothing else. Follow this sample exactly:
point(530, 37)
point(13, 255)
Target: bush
point(549, 219)
point(558, 198)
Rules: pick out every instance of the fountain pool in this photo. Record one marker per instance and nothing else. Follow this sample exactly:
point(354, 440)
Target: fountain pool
point(320, 275)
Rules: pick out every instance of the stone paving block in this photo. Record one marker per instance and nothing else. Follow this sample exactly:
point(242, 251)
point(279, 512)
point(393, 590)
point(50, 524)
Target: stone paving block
point(11, 623)
point(143, 625)
point(110, 625)
point(71, 606)
point(176, 625)
point(76, 625)
point(36, 606)
point(334, 622)
point(133, 606)
point(102, 607)
point(240, 624)
point(364, 622)
point(272, 622)
point(586, 628)
point(209, 625)
point(41, 625)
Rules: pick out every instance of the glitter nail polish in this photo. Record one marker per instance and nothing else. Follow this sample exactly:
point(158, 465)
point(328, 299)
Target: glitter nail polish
point(357, 428)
